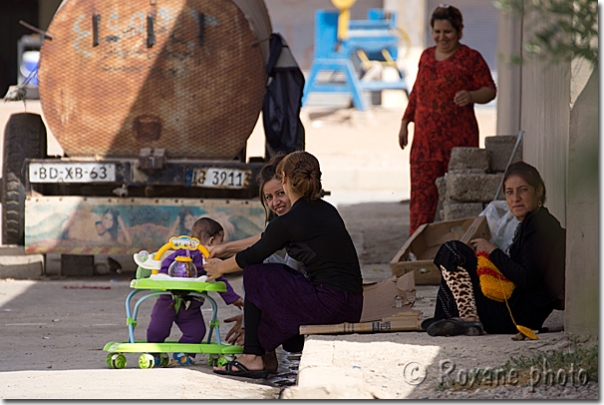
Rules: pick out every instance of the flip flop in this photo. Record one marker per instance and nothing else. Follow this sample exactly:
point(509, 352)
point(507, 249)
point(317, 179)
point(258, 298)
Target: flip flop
point(427, 322)
point(243, 371)
point(455, 327)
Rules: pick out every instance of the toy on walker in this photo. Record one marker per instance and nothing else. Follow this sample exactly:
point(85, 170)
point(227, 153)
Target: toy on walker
point(181, 277)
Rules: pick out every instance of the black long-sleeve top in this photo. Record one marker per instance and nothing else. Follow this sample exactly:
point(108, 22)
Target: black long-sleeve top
point(314, 233)
point(537, 257)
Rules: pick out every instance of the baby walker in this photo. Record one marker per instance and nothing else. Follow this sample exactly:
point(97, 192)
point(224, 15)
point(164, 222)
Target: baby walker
point(182, 276)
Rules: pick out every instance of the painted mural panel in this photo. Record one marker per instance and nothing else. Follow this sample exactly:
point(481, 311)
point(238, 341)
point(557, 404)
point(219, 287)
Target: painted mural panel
point(76, 225)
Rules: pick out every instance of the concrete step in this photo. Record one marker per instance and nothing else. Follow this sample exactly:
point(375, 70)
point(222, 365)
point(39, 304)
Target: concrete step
point(15, 263)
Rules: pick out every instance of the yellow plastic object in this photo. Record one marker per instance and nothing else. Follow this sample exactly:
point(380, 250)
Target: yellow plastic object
point(183, 242)
point(343, 17)
point(342, 4)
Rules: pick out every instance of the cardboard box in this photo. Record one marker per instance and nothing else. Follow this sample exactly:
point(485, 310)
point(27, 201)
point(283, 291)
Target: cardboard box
point(427, 239)
point(380, 299)
point(405, 321)
point(382, 311)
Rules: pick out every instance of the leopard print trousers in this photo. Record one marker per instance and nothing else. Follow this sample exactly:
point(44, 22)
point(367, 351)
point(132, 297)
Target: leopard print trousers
point(460, 284)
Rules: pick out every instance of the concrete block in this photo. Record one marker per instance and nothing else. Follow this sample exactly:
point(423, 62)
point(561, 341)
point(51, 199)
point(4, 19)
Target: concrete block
point(467, 158)
point(77, 266)
point(473, 187)
point(21, 266)
point(441, 185)
point(457, 210)
point(500, 148)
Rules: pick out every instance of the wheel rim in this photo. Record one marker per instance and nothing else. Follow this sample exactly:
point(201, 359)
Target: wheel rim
point(146, 360)
point(118, 361)
point(222, 361)
point(109, 359)
point(165, 359)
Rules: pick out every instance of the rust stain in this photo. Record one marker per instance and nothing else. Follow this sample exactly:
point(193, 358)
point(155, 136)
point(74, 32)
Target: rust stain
point(147, 128)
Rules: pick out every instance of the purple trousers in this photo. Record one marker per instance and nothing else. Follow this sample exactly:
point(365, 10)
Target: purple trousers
point(189, 321)
point(285, 300)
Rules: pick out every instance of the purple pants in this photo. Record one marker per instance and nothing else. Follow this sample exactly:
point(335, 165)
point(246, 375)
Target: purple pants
point(189, 321)
point(286, 300)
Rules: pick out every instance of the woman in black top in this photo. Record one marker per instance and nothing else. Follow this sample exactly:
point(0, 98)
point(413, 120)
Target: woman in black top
point(535, 263)
point(278, 299)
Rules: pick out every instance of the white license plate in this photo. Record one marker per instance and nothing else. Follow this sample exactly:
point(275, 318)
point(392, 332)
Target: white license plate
point(71, 172)
point(213, 177)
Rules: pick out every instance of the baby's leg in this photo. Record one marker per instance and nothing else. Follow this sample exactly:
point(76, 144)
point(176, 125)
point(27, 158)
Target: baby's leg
point(162, 317)
point(191, 323)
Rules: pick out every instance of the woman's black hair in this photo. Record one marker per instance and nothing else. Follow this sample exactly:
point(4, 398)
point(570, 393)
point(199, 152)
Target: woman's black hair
point(449, 13)
point(182, 214)
point(529, 174)
point(114, 228)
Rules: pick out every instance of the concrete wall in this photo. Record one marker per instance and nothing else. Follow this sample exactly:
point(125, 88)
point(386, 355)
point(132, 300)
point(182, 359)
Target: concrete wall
point(557, 106)
point(545, 116)
point(582, 250)
point(509, 74)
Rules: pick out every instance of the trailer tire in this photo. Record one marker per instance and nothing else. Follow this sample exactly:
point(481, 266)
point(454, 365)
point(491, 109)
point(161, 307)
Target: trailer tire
point(24, 138)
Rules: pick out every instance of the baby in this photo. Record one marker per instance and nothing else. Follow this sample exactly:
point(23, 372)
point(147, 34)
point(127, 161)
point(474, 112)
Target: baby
point(185, 311)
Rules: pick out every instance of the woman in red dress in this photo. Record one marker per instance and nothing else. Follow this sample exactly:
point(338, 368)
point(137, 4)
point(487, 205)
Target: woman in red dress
point(452, 78)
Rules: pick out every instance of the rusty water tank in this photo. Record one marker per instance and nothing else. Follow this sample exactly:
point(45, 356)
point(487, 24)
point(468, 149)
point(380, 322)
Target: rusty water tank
point(184, 75)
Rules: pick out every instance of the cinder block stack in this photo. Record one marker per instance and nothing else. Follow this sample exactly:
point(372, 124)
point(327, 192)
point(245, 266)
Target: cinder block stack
point(474, 175)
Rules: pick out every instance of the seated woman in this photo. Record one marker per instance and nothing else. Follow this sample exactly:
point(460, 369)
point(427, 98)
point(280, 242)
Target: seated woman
point(275, 203)
point(279, 299)
point(535, 263)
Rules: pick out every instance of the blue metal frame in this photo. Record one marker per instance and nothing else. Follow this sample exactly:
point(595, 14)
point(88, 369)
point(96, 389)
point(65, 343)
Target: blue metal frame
point(371, 36)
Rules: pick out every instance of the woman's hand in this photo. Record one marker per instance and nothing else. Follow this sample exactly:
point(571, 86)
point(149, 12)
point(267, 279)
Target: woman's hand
point(216, 250)
point(463, 98)
point(213, 268)
point(216, 267)
point(482, 245)
point(481, 96)
point(238, 303)
point(403, 134)
point(236, 335)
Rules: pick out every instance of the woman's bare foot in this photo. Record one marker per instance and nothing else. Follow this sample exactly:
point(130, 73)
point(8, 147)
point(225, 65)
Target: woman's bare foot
point(270, 361)
point(251, 361)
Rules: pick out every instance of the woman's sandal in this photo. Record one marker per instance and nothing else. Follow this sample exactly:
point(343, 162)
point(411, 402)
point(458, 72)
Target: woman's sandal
point(243, 371)
point(455, 327)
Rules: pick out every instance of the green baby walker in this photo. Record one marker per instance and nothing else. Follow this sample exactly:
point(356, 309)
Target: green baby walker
point(181, 278)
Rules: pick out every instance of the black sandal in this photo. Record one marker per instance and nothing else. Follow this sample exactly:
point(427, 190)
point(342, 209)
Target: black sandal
point(243, 371)
point(455, 327)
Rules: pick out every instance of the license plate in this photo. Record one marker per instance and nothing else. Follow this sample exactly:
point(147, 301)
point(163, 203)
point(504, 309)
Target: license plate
point(71, 172)
point(213, 177)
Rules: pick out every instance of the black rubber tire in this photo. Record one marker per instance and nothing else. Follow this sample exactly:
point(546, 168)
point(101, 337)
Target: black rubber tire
point(24, 138)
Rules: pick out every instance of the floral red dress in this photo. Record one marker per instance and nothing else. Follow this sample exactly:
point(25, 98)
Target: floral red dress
point(439, 123)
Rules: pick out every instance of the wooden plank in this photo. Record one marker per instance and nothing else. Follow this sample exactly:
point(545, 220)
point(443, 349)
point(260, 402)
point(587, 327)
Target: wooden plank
point(407, 321)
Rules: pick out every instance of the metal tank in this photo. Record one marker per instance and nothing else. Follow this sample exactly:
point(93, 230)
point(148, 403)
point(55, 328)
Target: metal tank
point(183, 75)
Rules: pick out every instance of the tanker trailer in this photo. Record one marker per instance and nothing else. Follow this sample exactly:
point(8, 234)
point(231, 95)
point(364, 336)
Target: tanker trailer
point(152, 102)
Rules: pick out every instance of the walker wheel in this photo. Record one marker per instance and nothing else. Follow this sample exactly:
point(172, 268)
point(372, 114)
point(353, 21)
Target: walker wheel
point(116, 360)
point(164, 359)
point(212, 360)
point(222, 361)
point(146, 360)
